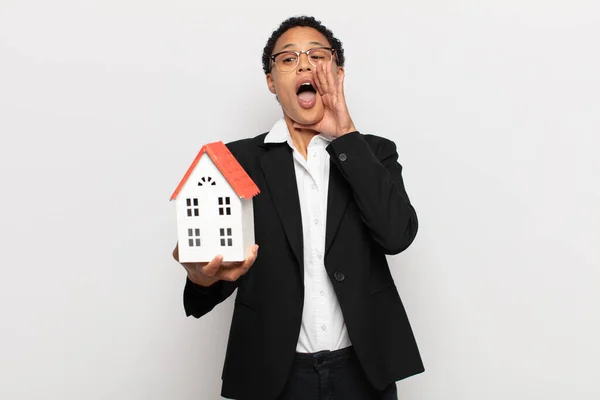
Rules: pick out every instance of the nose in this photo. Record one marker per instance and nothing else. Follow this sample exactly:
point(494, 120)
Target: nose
point(303, 63)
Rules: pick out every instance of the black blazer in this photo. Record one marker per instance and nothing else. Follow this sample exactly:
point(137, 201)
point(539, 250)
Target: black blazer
point(369, 215)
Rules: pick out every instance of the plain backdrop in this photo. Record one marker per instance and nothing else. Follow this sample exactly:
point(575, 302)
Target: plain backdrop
point(495, 109)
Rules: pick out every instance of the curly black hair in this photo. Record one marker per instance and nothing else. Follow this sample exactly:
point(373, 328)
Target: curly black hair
point(293, 22)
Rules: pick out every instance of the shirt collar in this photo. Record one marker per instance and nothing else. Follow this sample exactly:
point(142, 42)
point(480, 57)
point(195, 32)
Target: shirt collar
point(280, 133)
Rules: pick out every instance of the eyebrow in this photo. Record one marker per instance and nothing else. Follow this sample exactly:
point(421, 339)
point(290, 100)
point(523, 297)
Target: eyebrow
point(294, 45)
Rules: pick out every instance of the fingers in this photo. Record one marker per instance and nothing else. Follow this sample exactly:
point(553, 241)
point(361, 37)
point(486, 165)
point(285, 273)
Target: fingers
point(216, 269)
point(212, 268)
point(326, 82)
point(340, 83)
point(252, 254)
point(204, 270)
point(329, 74)
point(317, 78)
point(176, 252)
point(336, 80)
point(236, 270)
point(323, 78)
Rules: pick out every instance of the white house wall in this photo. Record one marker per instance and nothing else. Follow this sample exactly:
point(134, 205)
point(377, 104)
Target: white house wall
point(248, 222)
point(208, 220)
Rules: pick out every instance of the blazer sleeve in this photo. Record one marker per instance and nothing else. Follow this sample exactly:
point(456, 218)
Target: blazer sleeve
point(199, 300)
point(372, 170)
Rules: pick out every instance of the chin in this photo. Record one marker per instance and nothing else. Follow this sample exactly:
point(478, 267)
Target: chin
point(309, 117)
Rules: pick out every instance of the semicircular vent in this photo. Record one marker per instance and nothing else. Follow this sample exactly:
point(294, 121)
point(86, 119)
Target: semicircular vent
point(206, 180)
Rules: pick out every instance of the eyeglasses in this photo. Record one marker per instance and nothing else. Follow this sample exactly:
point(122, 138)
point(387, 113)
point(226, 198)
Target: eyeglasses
point(287, 61)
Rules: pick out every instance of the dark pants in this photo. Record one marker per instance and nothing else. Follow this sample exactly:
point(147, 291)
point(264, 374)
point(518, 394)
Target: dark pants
point(332, 375)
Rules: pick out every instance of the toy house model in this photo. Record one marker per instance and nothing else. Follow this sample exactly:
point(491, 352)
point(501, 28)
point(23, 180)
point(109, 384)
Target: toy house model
point(214, 207)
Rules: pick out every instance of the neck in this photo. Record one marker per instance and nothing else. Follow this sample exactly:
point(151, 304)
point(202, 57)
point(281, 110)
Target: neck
point(300, 137)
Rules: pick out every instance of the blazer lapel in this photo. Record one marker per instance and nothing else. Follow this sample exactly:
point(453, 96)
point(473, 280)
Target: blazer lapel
point(338, 196)
point(278, 168)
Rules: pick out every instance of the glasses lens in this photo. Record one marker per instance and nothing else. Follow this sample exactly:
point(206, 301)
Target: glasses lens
point(286, 61)
point(320, 56)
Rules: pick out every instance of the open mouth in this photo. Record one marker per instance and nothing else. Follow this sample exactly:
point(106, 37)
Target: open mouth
point(307, 95)
point(306, 87)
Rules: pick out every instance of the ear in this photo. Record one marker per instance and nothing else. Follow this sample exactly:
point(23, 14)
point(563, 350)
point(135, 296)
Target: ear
point(271, 83)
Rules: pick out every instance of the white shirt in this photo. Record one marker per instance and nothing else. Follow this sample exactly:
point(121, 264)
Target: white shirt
point(323, 326)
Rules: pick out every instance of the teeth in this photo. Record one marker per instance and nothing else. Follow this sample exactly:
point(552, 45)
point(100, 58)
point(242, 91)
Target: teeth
point(306, 84)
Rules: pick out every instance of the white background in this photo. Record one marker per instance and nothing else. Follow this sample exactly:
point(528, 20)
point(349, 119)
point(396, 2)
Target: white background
point(494, 106)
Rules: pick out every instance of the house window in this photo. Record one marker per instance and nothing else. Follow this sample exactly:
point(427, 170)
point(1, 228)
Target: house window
point(192, 207)
point(207, 180)
point(226, 237)
point(194, 237)
point(224, 205)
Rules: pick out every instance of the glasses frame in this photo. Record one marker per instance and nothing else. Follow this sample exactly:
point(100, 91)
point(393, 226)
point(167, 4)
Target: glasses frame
point(299, 53)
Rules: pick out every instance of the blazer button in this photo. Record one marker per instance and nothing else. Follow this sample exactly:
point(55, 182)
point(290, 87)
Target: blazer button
point(343, 157)
point(338, 276)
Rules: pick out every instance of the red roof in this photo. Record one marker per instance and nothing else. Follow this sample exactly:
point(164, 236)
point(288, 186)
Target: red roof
point(231, 169)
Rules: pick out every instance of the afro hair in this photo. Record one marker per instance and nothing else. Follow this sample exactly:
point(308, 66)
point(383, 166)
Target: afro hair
point(294, 22)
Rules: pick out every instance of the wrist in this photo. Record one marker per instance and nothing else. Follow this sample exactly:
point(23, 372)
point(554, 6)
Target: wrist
point(202, 280)
point(345, 131)
point(347, 127)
